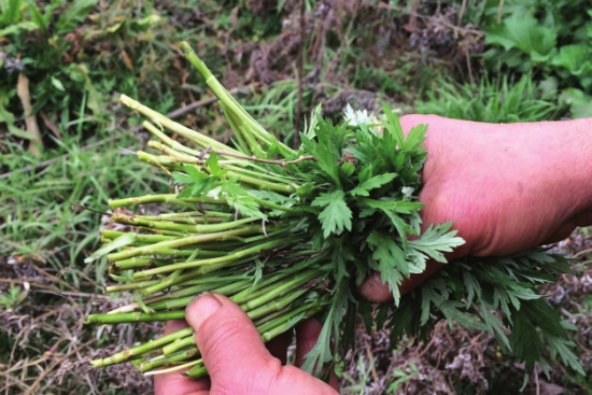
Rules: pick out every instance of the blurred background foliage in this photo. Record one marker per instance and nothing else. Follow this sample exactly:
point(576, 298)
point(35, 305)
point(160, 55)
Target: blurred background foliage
point(66, 144)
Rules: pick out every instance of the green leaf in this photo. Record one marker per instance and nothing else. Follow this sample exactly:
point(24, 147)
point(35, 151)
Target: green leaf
point(8, 118)
point(392, 205)
point(11, 13)
point(74, 15)
point(197, 183)
point(57, 84)
point(415, 139)
point(525, 340)
point(392, 262)
point(213, 165)
point(17, 27)
point(276, 198)
point(183, 178)
point(365, 173)
point(450, 310)
point(122, 241)
point(326, 150)
point(321, 353)
point(436, 240)
point(258, 271)
point(579, 102)
point(575, 58)
point(391, 208)
point(372, 183)
point(562, 347)
point(472, 286)
point(93, 96)
point(336, 216)
point(240, 200)
point(525, 34)
point(38, 18)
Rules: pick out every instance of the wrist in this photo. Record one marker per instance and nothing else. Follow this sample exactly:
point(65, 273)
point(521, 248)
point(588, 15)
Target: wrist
point(571, 166)
point(559, 169)
point(583, 127)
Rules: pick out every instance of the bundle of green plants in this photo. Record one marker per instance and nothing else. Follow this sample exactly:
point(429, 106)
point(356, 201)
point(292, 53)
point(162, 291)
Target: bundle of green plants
point(291, 233)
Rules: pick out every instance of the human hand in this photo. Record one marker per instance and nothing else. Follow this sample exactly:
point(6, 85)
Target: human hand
point(506, 187)
point(236, 358)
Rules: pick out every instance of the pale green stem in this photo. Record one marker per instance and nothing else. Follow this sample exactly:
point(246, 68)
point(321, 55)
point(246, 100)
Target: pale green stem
point(141, 349)
point(163, 225)
point(259, 183)
point(231, 104)
point(191, 217)
point(275, 305)
point(154, 249)
point(270, 285)
point(113, 234)
point(169, 282)
point(255, 250)
point(164, 198)
point(260, 174)
point(162, 360)
point(174, 369)
point(280, 290)
point(178, 344)
point(137, 316)
point(180, 302)
point(130, 286)
point(169, 141)
point(173, 126)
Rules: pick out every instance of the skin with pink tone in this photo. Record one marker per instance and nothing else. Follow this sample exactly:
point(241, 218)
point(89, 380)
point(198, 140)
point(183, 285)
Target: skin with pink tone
point(506, 188)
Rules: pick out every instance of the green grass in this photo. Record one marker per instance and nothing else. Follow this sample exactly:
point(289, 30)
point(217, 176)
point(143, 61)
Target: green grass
point(36, 223)
point(43, 242)
point(492, 100)
point(38, 229)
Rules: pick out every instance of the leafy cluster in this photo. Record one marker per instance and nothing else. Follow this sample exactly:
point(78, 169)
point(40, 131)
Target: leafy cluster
point(360, 208)
point(553, 38)
point(355, 199)
point(366, 208)
point(497, 295)
point(342, 205)
point(494, 100)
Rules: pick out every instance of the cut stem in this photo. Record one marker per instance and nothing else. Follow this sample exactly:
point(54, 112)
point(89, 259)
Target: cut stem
point(163, 198)
point(136, 316)
point(255, 250)
point(134, 352)
point(154, 249)
point(173, 126)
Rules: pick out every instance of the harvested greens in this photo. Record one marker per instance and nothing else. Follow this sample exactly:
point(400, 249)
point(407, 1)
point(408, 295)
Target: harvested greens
point(288, 234)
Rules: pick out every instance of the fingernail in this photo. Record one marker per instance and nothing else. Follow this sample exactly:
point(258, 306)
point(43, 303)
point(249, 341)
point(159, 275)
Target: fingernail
point(201, 308)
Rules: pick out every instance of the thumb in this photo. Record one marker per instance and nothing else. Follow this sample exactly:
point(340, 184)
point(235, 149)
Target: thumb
point(230, 345)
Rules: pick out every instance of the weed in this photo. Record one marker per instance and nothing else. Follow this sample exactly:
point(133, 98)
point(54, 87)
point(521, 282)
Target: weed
point(363, 379)
point(493, 100)
point(34, 220)
point(402, 375)
point(10, 299)
point(550, 40)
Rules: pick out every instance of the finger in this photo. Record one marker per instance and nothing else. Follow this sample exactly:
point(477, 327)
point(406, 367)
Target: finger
point(230, 345)
point(307, 334)
point(278, 347)
point(175, 383)
point(376, 291)
point(175, 325)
